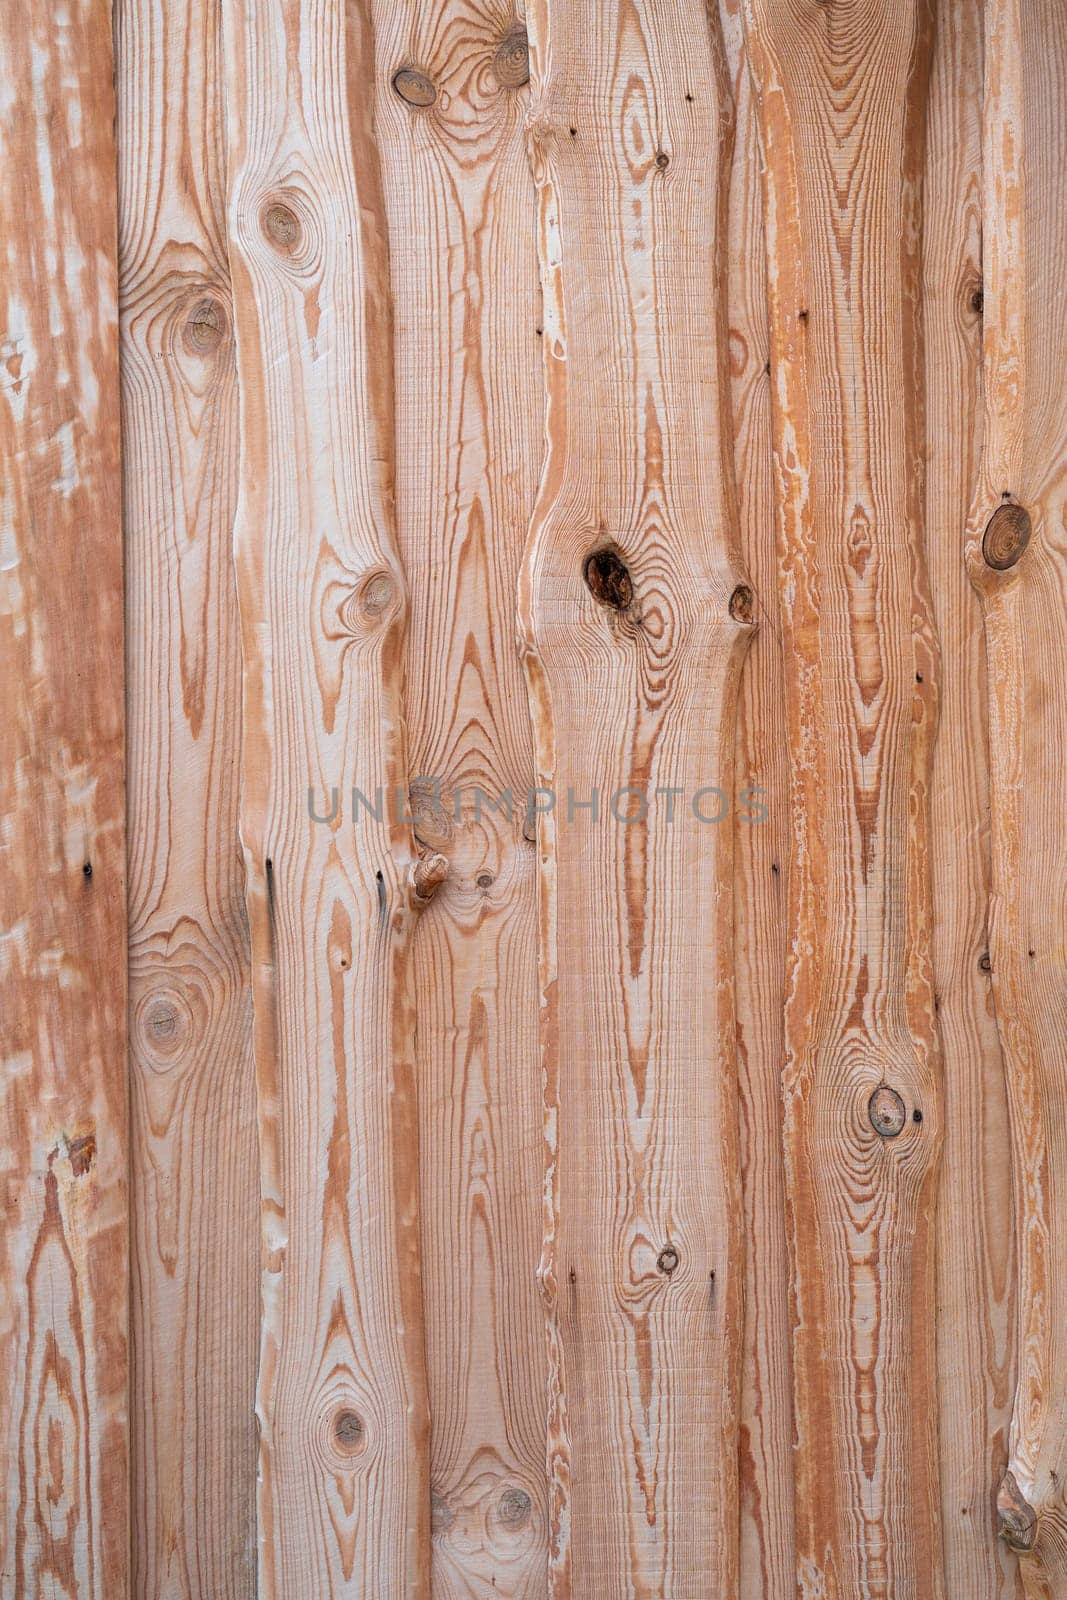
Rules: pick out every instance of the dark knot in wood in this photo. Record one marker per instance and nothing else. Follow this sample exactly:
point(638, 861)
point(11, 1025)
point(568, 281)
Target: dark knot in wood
point(608, 579)
point(1006, 536)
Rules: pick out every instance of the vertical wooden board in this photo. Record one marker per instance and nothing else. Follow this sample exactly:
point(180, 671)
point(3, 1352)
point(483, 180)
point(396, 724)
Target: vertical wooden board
point(635, 621)
point(63, 1234)
point(842, 92)
point(761, 858)
point(343, 1498)
point(470, 428)
point(975, 1250)
point(194, 1184)
point(1017, 551)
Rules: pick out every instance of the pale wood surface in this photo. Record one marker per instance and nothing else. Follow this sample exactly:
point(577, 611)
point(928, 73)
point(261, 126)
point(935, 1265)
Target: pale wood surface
point(642, 1257)
point(343, 1497)
point(975, 1289)
point(761, 865)
point(194, 1166)
point(1024, 464)
point(842, 95)
point(469, 425)
point(63, 1201)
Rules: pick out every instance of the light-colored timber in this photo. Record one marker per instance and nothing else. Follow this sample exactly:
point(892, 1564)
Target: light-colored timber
point(343, 1502)
point(63, 1193)
point(842, 90)
point(975, 1274)
point(635, 618)
point(761, 866)
point(194, 1185)
point(1017, 556)
point(469, 431)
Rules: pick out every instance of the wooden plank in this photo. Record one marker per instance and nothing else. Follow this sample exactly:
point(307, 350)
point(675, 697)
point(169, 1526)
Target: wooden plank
point(194, 1188)
point(975, 1292)
point(63, 1237)
point(343, 1483)
point(469, 423)
point(634, 619)
point(842, 99)
point(761, 858)
point(1017, 550)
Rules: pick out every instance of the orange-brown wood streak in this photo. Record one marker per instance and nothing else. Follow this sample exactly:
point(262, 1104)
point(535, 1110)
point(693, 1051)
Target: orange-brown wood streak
point(1024, 598)
point(630, 141)
point(194, 1188)
point(842, 93)
point(469, 427)
point(761, 858)
point(975, 1292)
point(343, 1466)
point(63, 1198)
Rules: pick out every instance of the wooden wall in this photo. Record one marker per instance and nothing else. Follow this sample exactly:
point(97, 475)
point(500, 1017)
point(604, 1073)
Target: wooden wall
point(436, 1163)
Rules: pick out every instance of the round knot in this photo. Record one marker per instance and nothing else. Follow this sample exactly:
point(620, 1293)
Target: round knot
point(513, 1508)
point(349, 1433)
point(282, 227)
point(667, 1260)
point(414, 87)
point(512, 60)
point(1006, 536)
point(886, 1111)
point(205, 327)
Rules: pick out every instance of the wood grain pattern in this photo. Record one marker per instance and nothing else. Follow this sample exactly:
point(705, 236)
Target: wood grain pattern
point(637, 690)
point(194, 1185)
point(976, 1283)
point(469, 425)
point(1017, 555)
point(343, 1466)
point(761, 863)
point(842, 97)
point(63, 1233)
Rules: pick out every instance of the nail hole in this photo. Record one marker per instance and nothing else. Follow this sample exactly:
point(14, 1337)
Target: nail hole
point(916, 1115)
point(608, 579)
point(88, 869)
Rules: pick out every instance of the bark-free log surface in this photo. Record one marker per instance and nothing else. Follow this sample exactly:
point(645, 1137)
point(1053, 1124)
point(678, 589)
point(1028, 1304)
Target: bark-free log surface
point(194, 1185)
point(63, 1222)
point(975, 1278)
point(1017, 553)
point(842, 95)
point(633, 616)
point(343, 1485)
point(470, 429)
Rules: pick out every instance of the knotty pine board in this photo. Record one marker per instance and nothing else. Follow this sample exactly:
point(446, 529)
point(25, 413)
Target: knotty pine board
point(194, 1196)
point(976, 1270)
point(1016, 551)
point(63, 1236)
point(343, 1485)
point(761, 862)
point(842, 98)
point(450, 119)
point(633, 664)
